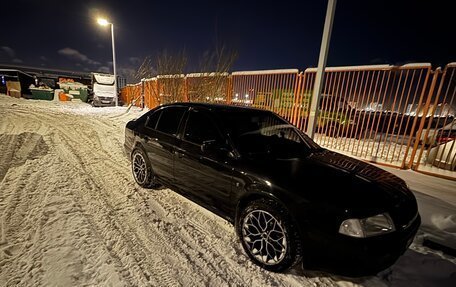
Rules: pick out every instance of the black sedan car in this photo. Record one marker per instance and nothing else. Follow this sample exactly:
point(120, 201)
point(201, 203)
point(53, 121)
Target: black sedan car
point(290, 200)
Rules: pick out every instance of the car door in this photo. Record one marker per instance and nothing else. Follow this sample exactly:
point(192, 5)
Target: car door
point(160, 139)
point(205, 175)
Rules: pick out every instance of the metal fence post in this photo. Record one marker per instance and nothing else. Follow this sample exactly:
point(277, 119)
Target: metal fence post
point(423, 119)
point(142, 93)
point(186, 99)
point(313, 115)
point(229, 89)
point(297, 93)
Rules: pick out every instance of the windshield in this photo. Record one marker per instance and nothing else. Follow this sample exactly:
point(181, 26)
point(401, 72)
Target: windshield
point(260, 133)
point(104, 79)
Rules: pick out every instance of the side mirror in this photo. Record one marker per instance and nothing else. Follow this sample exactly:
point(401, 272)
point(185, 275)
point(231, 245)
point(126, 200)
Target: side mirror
point(216, 148)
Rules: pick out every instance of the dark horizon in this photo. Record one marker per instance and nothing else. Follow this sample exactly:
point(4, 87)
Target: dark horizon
point(265, 36)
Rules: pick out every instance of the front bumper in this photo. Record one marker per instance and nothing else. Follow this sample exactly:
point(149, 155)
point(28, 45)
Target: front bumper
point(356, 257)
point(103, 102)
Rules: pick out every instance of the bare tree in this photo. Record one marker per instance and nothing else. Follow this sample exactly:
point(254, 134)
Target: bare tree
point(220, 60)
point(171, 78)
point(167, 74)
point(210, 84)
point(146, 69)
point(171, 85)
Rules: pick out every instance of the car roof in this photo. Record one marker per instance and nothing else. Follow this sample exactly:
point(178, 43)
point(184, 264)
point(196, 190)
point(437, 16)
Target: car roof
point(216, 107)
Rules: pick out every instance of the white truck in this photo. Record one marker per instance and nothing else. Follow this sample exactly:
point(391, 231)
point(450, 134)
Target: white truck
point(103, 90)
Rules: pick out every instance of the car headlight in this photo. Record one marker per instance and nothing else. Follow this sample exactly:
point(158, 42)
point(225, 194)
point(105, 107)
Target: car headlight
point(366, 227)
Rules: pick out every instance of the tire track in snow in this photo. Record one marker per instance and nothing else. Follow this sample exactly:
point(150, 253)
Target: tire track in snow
point(224, 270)
point(17, 149)
point(78, 162)
point(123, 231)
point(25, 216)
point(189, 250)
point(25, 178)
point(30, 211)
point(206, 248)
point(141, 228)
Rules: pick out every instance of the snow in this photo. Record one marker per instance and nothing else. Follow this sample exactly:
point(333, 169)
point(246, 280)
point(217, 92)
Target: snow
point(417, 65)
point(437, 205)
point(213, 74)
point(71, 214)
point(266, 72)
point(370, 67)
point(150, 79)
point(352, 68)
point(171, 76)
point(387, 149)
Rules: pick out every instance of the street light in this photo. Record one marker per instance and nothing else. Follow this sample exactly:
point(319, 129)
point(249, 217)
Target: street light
point(104, 22)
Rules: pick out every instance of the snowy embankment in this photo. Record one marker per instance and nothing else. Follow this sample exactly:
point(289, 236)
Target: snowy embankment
point(71, 215)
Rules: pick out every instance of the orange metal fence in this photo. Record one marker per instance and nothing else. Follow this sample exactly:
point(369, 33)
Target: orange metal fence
point(131, 94)
point(366, 111)
point(151, 98)
point(401, 116)
point(171, 88)
point(435, 144)
point(272, 90)
point(208, 87)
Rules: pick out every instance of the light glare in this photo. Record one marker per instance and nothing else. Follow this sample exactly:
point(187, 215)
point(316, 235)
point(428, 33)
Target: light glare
point(102, 22)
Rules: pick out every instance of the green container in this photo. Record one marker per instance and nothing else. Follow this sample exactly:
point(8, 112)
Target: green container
point(77, 90)
point(42, 94)
point(81, 93)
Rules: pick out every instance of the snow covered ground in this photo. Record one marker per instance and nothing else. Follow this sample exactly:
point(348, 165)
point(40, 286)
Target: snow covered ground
point(71, 215)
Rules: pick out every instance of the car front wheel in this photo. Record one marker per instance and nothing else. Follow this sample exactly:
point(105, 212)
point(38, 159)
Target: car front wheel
point(268, 236)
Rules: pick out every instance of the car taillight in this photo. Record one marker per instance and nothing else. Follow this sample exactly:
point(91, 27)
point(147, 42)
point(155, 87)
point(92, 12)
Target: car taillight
point(442, 140)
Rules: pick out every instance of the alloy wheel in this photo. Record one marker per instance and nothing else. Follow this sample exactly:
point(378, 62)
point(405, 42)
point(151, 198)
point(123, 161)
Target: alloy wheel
point(265, 237)
point(139, 167)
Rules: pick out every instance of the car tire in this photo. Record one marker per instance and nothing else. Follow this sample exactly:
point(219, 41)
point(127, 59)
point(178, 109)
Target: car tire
point(268, 236)
point(142, 169)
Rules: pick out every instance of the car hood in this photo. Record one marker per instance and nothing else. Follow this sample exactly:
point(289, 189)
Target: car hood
point(334, 179)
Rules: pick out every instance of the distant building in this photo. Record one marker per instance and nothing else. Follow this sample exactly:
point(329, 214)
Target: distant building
point(15, 76)
point(50, 77)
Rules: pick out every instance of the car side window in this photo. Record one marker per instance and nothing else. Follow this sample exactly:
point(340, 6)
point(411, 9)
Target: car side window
point(170, 119)
point(201, 128)
point(152, 119)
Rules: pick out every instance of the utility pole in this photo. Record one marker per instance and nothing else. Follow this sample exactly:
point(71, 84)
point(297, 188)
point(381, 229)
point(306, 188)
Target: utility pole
point(320, 77)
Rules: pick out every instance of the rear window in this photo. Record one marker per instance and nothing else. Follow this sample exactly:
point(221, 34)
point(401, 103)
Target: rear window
point(170, 119)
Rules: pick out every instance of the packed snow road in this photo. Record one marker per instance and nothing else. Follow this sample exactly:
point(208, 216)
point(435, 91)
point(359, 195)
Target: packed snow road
point(71, 214)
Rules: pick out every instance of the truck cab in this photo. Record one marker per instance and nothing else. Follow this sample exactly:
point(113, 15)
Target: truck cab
point(103, 90)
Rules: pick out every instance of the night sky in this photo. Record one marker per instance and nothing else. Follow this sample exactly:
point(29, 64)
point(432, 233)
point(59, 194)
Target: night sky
point(265, 34)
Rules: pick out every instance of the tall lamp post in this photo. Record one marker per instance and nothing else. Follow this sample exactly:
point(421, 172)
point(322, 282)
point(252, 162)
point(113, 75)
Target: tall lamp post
point(320, 76)
point(104, 22)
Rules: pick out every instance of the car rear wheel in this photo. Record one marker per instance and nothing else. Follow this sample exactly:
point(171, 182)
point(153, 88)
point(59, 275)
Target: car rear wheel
point(142, 170)
point(268, 236)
